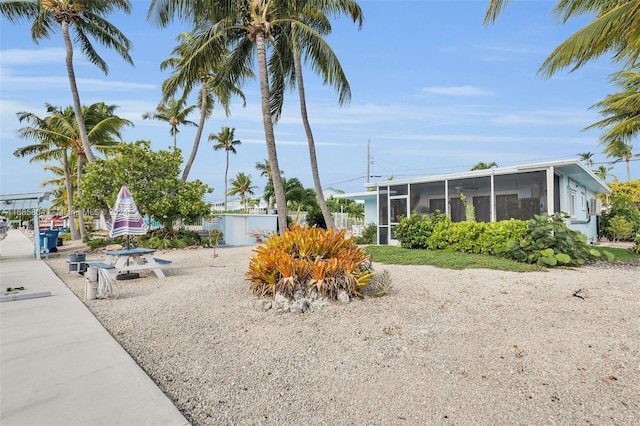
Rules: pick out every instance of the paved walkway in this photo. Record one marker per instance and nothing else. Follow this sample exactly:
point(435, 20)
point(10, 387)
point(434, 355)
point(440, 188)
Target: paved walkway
point(58, 365)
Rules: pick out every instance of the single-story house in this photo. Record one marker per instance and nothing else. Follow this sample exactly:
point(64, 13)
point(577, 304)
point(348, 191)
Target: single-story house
point(517, 192)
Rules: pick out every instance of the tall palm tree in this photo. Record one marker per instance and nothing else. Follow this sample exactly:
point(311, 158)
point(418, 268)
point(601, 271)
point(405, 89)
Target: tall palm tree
point(175, 112)
point(246, 27)
point(621, 151)
point(226, 142)
point(586, 158)
point(49, 146)
point(242, 185)
point(615, 29)
point(322, 59)
point(211, 85)
point(83, 18)
point(58, 137)
point(484, 166)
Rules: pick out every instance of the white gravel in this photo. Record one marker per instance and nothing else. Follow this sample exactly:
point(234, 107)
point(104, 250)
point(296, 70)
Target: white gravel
point(445, 347)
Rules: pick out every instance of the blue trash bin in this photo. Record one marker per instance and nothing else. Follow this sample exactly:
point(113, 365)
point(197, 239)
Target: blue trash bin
point(51, 237)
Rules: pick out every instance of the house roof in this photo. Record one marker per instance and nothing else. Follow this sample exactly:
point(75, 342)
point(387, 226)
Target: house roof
point(26, 201)
point(362, 196)
point(572, 168)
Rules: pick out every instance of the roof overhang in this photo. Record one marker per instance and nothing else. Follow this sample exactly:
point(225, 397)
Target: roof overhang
point(22, 202)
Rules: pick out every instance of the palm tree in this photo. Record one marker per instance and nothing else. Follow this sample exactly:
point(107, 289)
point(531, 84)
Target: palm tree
point(615, 29)
point(58, 138)
point(173, 112)
point(265, 171)
point(298, 197)
point(602, 171)
point(226, 142)
point(82, 17)
point(242, 185)
point(210, 85)
point(245, 27)
point(621, 110)
point(586, 158)
point(484, 166)
point(50, 146)
point(620, 150)
point(322, 59)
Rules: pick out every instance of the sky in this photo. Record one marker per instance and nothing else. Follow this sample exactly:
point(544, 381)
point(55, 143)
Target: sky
point(433, 91)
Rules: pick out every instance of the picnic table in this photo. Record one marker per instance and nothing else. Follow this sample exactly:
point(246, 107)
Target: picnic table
point(131, 260)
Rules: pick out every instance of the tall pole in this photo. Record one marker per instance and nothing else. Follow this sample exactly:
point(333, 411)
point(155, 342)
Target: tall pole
point(368, 160)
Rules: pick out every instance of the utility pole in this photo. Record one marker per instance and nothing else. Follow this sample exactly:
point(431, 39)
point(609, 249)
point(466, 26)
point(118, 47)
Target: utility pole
point(368, 160)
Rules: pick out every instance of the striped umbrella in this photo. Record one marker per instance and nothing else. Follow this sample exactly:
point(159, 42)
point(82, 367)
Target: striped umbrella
point(125, 218)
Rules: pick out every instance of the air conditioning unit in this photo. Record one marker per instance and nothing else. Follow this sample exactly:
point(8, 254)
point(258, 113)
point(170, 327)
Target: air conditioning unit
point(595, 207)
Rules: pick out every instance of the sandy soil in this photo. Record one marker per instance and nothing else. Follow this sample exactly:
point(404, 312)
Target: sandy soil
point(444, 347)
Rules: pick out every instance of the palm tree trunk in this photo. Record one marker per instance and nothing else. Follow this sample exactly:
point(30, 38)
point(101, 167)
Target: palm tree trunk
point(328, 219)
point(77, 106)
point(196, 142)
point(68, 185)
point(81, 224)
point(226, 170)
point(627, 160)
point(270, 136)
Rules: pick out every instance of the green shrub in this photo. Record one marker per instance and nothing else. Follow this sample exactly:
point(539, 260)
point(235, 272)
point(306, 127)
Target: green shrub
point(476, 237)
point(549, 242)
point(369, 235)
point(620, 228)
point(458, 236)
point(414, 231)
point(161, 239)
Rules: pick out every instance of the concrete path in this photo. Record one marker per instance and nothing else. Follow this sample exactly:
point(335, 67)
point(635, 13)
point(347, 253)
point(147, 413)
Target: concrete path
point(58, 365)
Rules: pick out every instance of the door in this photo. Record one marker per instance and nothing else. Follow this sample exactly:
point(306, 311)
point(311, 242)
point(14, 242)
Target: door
point(398, 207)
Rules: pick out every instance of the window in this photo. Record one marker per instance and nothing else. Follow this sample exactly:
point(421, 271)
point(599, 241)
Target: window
point(577, 202)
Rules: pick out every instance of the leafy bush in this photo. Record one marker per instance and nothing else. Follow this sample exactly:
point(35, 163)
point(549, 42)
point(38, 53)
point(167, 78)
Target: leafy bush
point(369, 235)
point(414, 231)
point(549, 242)
point(620, 228)
point(161, 239)
point(624, 202)
point(307, 261)
point(476, 237)
point(315, 218)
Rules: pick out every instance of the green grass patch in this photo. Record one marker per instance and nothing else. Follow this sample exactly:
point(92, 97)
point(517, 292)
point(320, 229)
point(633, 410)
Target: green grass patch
point(621, 254)
point(442, 259)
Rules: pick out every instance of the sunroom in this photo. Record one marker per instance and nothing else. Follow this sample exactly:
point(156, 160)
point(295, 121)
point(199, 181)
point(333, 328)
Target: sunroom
point(517, 192)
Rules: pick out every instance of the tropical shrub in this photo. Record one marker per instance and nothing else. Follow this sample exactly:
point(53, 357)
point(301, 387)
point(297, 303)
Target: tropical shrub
point(437, 232)
point(620, 228)
point(161, 239)
point(476, 237)
point(623, 202)
point(414, 231)
point(315, 217)
point(369, 235)
point(308, 262)
point(549, 242)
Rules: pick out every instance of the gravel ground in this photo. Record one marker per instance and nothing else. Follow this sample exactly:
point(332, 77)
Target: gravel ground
point(444, 347)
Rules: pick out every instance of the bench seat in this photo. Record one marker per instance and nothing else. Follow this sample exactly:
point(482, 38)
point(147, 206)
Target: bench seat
point(162, 261)
point(100, 265)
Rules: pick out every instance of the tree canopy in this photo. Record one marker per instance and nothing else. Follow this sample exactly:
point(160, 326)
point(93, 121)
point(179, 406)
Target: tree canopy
point(153, 180)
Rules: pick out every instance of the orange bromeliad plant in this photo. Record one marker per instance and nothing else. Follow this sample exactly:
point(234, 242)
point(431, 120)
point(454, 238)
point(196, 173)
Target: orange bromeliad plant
point(311, 260)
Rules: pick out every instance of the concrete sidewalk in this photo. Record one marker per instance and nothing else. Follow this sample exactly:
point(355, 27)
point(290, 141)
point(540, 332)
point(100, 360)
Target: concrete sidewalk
point(58, 365)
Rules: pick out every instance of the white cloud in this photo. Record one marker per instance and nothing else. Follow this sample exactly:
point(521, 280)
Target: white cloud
point(465, 90)
point(48, 55)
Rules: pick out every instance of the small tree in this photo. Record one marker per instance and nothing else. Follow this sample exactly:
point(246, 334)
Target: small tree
point(152, 177)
